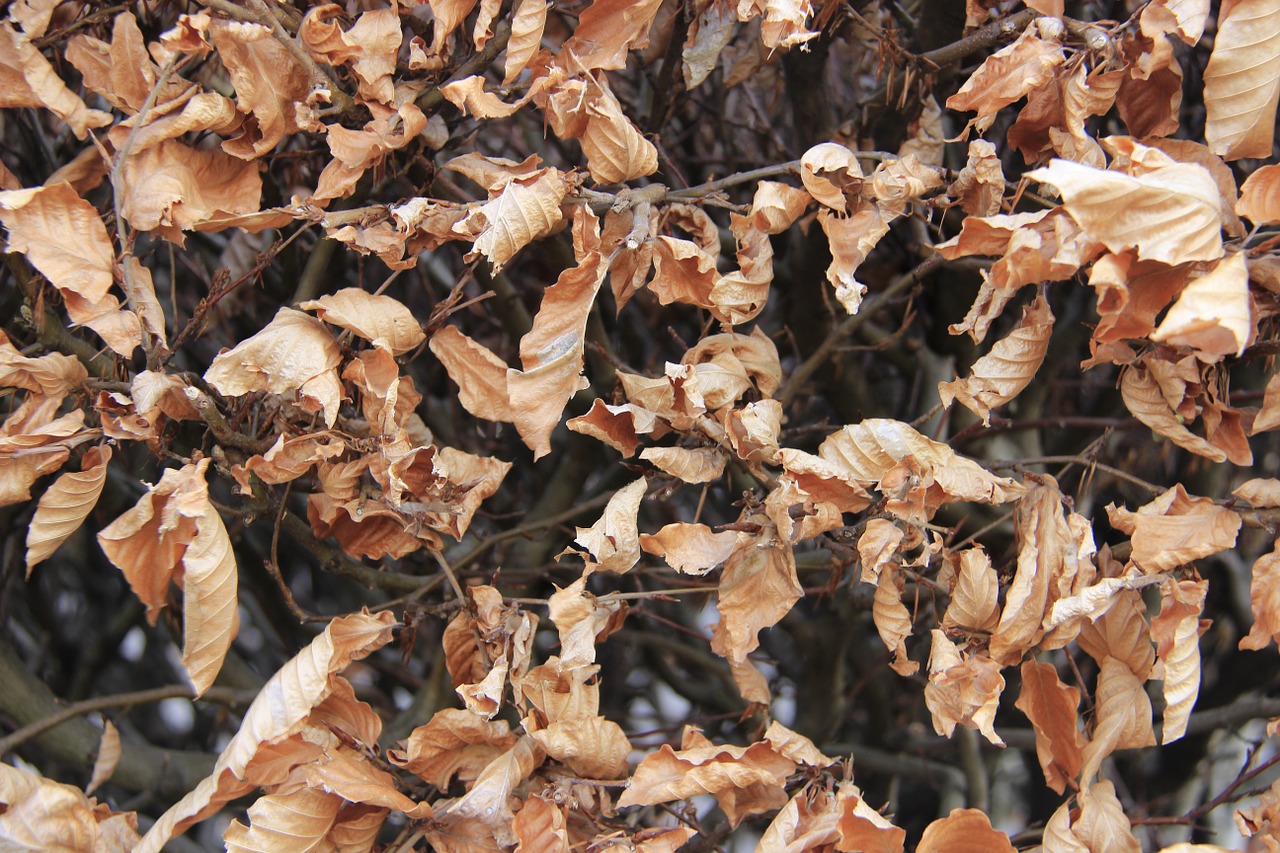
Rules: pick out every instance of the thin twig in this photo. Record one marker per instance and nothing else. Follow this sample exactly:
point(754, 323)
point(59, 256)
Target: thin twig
point(220, 695)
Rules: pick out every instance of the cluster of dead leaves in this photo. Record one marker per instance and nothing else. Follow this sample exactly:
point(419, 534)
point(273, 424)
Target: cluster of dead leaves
point(1141, 218)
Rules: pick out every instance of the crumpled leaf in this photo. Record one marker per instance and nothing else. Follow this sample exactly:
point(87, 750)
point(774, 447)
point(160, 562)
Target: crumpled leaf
point(279, 711)
point(28, 80)
point(830, 172)
point(613, 540)
point(974, 597)
point(285, 823)
point(1171, 213)
point(524, 210)
point(455, 742)
point(1142, 396)
point(962, 689)
point(1213, 314)
point(1008, 75)
point(1175, 529)
point(293, 353)
point(1264, 595)
point(1122, 716)
point(1103, 824)
point(383, 321)
point(745, 780)
point(1176, 630)
point(892, 619)
point(41, 814)
point(690, 548)
point(1008, 369)
point(175, 526)
point(692, 465)
point(758, 586)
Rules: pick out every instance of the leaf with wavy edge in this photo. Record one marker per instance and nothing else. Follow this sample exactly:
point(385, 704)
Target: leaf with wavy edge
point(868, 450)
point(279, 711)
point(1102, 823)
point(65, 506)
point(1123, 719)
point(963, 831)
point(1172, 213)
point(525, 210)
point(384, 321)
point(1264, 595)
point(1242, 80)
point(1176, 631)
point(1214, 313)
point(1141, 394)
point(211, 617)
point(285, 823)
point(1008, 369)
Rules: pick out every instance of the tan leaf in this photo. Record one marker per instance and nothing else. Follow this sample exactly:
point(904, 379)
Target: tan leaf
point(690, 548)
point(489, 800)
point(830, 172)
point(1141, 394)
point(52, 376)
point(592, 747)
point(527, 23)
point(1176, 631)
point(580, 620)
point(1242, 80)
point(171, 188)
point(979, 186)
point(745, 780)
point(795, 746)
point(285, 823)
point(1264, 595)
point(613, 540)
point(1008, 369)
point(963, 831)
point(104, 764)
point(65, 505)
point(269, 84)
point(28, 80)
point(785, 23)
point(1102, 824)
point(41, 814)
point(775, 207)
point(454, 742)
point(758, 586)
point(63, 237)
point(962, 690)
point(1175, 529)
point(384, 321)
point(174, 525)
point(1052, 708)
point(869, 450)
point(280, 710)
point(209, 601)
point(1259, 492)
point(1260, 196)
point(293, 353)
point(1048, 560)
point(1268, 417)
point(617, 426)
point(540, 824)
point(1058, 837)
point(692, 465)
point(1123, 716)
point(1213, 314)
point(525, 210)
point(480, 375)
point(851, 239)
point(878, 547)
point(551, 354)
point(892, 619)
point(1008, 75)
point(608, 29)
point(1172, 213)
point(860, 827)
point(974, 598)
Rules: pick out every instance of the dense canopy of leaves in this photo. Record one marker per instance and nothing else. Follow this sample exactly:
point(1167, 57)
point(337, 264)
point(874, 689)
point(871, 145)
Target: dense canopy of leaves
point(639, 425)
